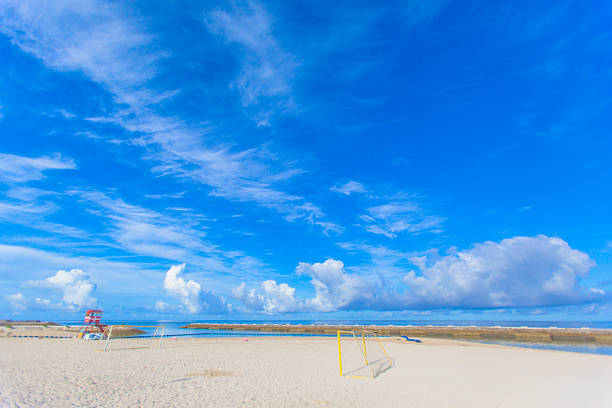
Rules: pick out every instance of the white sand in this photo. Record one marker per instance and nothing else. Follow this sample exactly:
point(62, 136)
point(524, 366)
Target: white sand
point(295, 372)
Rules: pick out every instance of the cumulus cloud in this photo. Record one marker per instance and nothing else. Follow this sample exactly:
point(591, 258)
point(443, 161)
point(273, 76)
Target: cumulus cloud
point(334, 288)
point(19, 169)
point(349, 188)
point(188, 292)
point(17, 302)
point(516, 272)
point(75, 285)
point(192, 297)
point(276, 298)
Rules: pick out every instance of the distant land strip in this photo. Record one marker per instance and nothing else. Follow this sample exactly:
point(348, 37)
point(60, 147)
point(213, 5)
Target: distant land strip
point(8, 323)
point(517, 334)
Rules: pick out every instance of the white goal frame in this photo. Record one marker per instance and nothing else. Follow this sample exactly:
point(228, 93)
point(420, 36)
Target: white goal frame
point(108, 334)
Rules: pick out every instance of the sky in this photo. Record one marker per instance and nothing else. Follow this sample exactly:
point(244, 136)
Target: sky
point(306, 160)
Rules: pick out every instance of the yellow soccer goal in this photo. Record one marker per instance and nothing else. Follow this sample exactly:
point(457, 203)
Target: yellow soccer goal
point(361, 354)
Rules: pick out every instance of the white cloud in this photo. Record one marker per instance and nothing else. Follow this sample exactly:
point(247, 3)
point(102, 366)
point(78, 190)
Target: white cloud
point(24, 193)
point(249, 297)
point(187, 292)
point(17, 301)
point(385, 265)
point(330, 227)
point(377, 229)
point(75, 285)
point(44, 303)
point(32, 215)
point(266, 70)
point(114, 50)
point(87, 35)
point(18, 261)
point(115, 279)
point(190, 293)
point(334, 288)
point(516, 272)
point(66, 114)
point(19, 169)
point(400, 216)
point(276, 298)
point(177, 238)
point(22, 205)
point(350, 187)
point(237, 175)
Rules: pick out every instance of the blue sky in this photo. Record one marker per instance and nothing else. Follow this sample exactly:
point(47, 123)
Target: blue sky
point(306, 160)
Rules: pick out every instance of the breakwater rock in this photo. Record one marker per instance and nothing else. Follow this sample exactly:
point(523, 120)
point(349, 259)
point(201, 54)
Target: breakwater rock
point(515, 334)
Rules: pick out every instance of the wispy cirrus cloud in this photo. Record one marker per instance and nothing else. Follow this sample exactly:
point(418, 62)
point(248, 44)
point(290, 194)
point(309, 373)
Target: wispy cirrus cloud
point(34, 215)
point(20, 169)
point(396, 217)
point(91, 36)
point(25, 205)
point(350, 187)
point(266, 70)
point(178, 238)
point(115, 50)
point(391, 215)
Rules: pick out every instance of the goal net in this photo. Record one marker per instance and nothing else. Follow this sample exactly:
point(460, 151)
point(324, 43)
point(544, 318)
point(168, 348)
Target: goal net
point(361, 354)
point(121, 337)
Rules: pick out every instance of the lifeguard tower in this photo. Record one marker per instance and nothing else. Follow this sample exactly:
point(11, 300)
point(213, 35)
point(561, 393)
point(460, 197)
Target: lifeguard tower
point(91, 324)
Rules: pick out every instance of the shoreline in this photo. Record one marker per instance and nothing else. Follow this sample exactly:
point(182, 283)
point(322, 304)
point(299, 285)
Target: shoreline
point(517, 335)
point(584, 336)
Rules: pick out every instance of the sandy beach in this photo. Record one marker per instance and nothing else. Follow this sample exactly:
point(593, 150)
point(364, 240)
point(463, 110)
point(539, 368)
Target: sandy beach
point(295, 372)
